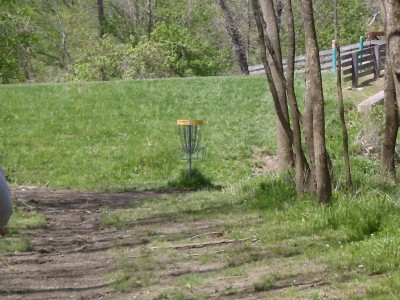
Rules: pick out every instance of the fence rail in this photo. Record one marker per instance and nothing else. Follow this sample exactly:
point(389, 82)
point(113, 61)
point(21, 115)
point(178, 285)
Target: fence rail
point(369, 61)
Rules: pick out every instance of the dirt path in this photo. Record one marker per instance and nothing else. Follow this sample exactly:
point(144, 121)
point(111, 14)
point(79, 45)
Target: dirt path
point(73, 254)
point(156, 257)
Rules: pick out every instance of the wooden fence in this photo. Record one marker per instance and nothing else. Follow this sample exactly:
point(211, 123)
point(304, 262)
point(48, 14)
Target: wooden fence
point(363, 63)
point(353, 69)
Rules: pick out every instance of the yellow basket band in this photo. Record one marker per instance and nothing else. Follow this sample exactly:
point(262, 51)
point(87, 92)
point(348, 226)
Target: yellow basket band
point(189, 122)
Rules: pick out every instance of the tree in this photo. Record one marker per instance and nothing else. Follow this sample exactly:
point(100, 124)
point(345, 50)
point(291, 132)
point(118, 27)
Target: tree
point(301, 164)
point(233, 32)
point(316, 177)
point(272, 60)
point(340, 98)
point(315, 108)
point(15, 41)
point(391, 19)
point(149, 12)
point(285, 153)
point(100, 15)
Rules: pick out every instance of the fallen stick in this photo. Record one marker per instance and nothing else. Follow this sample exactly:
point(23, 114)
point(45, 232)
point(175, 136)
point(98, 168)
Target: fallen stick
point(211, 253)
point(202, 245)
point(217, 233)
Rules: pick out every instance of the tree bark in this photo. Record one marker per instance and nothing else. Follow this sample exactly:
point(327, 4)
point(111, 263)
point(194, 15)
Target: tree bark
point(233, 32)
point(26, 55)
point(284, 142)
point(314, 95)
point(66, 56)
point(149, 12)
point(301, 165)
point(391, 18)
point(100, 15)
point(137, 13)
point(340, 100)
point(263, 54)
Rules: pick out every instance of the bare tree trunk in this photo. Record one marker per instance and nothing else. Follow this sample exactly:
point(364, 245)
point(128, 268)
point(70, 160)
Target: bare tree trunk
point(26, 61)
point(233, 32)
point(263, 54)
point(301, 165)
point(285, 152)
point(314, 95)
point(149, 12)
point(66, 56)
point(248, 43)
point(136, 13)
point(391, 123)
point(278, 12)
point(340, 100)
point(100, 15)
point(100, 12)
point(390, 9)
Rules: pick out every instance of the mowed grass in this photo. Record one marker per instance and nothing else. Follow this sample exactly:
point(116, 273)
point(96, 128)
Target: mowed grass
point(123, 135)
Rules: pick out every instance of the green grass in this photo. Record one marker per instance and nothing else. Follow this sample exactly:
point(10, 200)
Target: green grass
point(17, 231)
point(123, 135)
point(358, 236)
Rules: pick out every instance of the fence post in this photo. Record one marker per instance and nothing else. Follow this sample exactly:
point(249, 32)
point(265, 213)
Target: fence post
point(376, 56)
point(361, 47)
point(333, 56)
point(354, 70)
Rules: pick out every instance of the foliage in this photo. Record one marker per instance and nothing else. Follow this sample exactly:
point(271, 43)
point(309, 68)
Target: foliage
point(353, 16)
point(14, 37)
point(59, 41)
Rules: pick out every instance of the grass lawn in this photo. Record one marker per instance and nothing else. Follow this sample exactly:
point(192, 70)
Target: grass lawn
point(123, 135)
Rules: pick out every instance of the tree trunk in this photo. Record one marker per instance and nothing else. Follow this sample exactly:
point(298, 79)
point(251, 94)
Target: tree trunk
point(391, 123)
point(278, 12)
point(100, 12)
point(66, 56)
point(314, 95)
point(284, 142)
point(149, 12)
point(26, 55)
point(137, 13)
point(301, 165)
point(263, 54)
point(233, 32)
point(390, 9)
point(340, 100)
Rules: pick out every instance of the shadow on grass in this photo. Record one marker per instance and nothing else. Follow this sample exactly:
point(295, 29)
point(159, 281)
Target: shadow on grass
point(197, 181)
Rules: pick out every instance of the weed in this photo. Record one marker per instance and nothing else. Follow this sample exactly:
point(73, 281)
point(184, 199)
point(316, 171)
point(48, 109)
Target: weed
point(134, 274)
point(11, 245)
point(243, 255)
point(265, 283)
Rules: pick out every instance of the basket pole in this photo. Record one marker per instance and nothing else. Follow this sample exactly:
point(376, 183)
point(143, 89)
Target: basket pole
point(190, 151)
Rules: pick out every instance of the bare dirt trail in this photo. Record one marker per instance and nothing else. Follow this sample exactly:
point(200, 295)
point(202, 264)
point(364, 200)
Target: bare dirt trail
point(73, 254)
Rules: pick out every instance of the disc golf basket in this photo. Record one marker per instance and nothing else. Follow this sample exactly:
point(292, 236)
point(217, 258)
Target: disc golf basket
point(190, 132)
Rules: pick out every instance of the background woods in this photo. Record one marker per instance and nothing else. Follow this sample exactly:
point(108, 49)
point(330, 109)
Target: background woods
point(70, 40)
